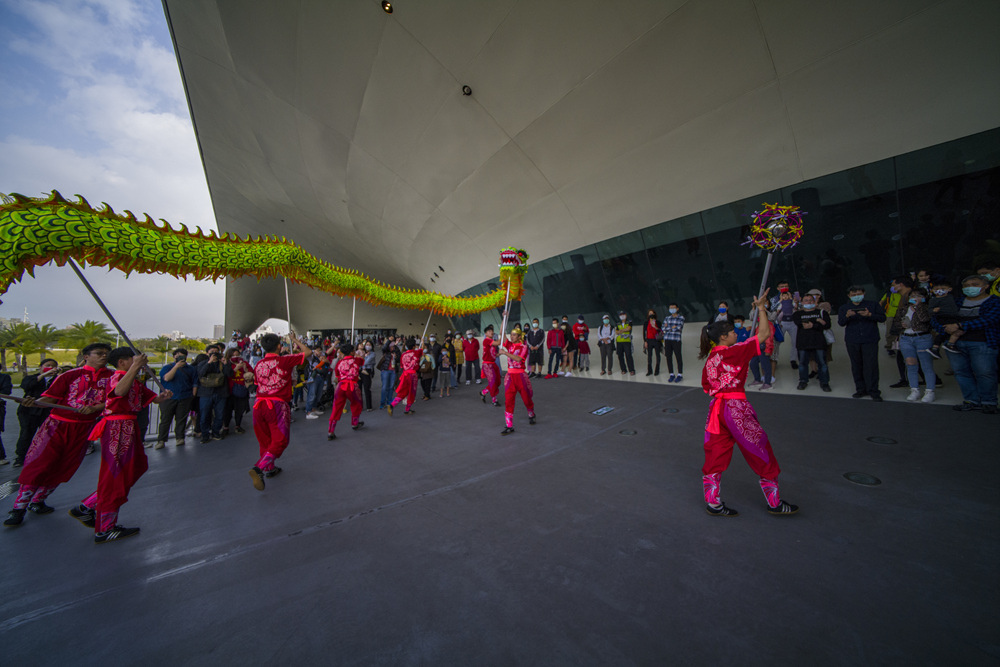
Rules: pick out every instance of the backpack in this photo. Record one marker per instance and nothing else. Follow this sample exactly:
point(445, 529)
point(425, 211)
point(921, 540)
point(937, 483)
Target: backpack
point(212, 380)
point(425, 364)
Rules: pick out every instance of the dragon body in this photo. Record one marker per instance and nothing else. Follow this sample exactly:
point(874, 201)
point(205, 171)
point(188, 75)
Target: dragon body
point(34, 232)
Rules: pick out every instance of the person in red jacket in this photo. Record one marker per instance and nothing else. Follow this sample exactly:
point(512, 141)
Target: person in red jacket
point(516, 381)
point(409, 362)
point(347, 372)
point(123, 459)
point(491, 370)
point(470, 348)
point(731, 419)
point(59, 445)
point(555, 340)
point(272, 416)
point(581, 332)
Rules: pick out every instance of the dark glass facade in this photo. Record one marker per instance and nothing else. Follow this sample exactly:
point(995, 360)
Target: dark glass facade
point(937, 209)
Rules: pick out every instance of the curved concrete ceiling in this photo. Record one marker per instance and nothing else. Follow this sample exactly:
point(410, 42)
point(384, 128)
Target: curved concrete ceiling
point(345, 128)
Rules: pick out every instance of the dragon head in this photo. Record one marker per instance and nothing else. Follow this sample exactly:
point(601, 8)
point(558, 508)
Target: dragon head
point(513, 258)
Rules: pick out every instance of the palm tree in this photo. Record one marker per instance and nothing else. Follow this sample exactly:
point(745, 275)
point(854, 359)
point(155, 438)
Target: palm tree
point(22, 343)
point(6, 342)
point(44, 337)
point(79, 336)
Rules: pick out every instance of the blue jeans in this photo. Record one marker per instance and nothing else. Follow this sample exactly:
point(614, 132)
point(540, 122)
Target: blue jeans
point(454, 379)
point(820, 357)
point(975, 366)
point(916, 347)
point(761, 364)
point(313, 392)
point(555, 356)
point(210, 410)
point(388, 388)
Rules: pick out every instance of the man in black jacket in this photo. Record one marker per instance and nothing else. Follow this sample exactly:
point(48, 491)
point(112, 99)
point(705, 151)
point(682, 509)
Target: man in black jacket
point(860, 320)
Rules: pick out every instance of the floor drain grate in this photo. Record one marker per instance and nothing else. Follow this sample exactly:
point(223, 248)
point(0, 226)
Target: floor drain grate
point(862, 478)
point(671, 411)
point(879, 440)
point(627, 431)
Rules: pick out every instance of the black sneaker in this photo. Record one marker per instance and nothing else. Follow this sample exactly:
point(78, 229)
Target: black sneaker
point(41, 508)
point(507, 431)
point(795, 365)
point(84, 515)
point(966, 406)
point(948, 347)
point(934, 351)
point(900, 384)
point(721, 511)
point(783, 508)
point(271, 473)
point(483, 397)
point(813, 374)
point(877, 398)
point(240, 430)
point(409, 412)
point(989, 409)
point(802, 385)
point(859, 394)
point(258, 478)
point(356, 427)
point(531, 420)
point(14, 518)
point(825, 387)
point(116, 533)
point(218, 436)
point(331, 436)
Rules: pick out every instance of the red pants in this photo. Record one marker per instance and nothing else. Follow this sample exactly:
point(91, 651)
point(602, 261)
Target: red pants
point(346, 392)
point(272, 419)
point(407, 388)
point(514, 384)
point(56, 452)
point(491, 373)
point(123, 462)
point(738, 425)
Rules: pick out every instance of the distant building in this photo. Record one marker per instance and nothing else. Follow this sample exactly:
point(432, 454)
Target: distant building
point(219, 331)
point(174, 335)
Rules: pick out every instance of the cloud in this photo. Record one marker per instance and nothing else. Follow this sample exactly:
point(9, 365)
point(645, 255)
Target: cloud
point(103, 115)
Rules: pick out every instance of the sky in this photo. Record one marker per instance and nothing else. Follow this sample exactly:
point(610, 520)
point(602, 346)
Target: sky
point(93, 105)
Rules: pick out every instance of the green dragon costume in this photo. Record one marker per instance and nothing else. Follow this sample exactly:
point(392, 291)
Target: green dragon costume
point(34, 232)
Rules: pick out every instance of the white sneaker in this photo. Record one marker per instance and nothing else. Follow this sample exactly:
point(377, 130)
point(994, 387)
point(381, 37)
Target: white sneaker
point(928, 396)
point(4, 462)
point(479, 381)
point(568, 374)
point(914, 395)
point(312, 416)
point(468, 382)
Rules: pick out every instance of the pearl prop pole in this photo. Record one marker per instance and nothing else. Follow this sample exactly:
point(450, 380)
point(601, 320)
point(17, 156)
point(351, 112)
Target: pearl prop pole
point(288, 307)
point(354, 309)
point(423, 337)
point(774, 228)
point(760, 292)
point(79, 273)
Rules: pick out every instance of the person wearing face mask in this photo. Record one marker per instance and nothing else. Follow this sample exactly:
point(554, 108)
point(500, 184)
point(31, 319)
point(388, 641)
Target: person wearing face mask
point(945, 311)
point(975, 359)
point(367, 373)
point(29, 419)
point(606, 343)
point(623, 343)
point(491, 370)
point(388, 365)
point(652, 342)
point(989, 270)
point(810, 342)
point(435, 354)
point(723, 314)
point(899, 289)
point(860, 318)
point(555, 340)
point(238, 402)
point(535, 340)
point(673, 327)
point(915, 342)
point(470, 348)
point(180, 378)
point(581, 334)
point(782, 307)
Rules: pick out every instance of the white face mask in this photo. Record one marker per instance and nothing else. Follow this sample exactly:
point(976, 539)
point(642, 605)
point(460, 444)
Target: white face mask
point(622, 317)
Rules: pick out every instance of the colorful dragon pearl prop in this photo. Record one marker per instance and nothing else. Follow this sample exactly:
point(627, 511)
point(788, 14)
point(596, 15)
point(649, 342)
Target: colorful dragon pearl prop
point(776, 227)
point(34, 232)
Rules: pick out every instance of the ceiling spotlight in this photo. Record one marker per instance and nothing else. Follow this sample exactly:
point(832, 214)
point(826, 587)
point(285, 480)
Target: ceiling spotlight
point(436, 275)
point(387, 6)
point(432, 280)
point(466, 90)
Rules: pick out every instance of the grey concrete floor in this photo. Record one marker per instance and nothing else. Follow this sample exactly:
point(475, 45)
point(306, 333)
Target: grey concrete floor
point(431, 539)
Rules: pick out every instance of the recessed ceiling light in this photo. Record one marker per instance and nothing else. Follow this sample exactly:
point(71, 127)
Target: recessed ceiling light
point(387, 6)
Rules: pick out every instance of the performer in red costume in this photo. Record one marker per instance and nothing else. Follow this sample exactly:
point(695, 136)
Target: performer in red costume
point(123, 459)
point(409, 362)
point(347, 370)
point(272, 416)
point(731, 419)
point(516, 381)
point(59, 445)
point(491, 370)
